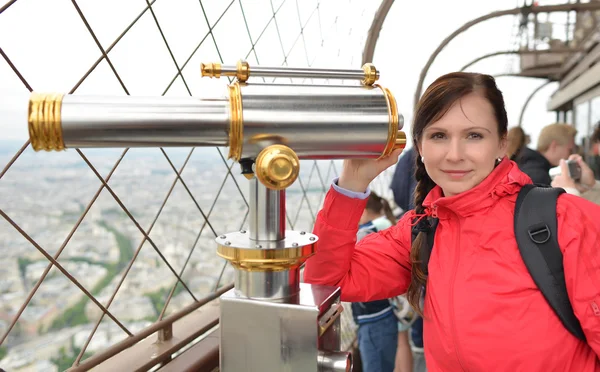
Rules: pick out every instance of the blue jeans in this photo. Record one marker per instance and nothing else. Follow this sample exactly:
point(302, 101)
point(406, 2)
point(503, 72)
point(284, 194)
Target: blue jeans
point(377, 342)
point(416, 332)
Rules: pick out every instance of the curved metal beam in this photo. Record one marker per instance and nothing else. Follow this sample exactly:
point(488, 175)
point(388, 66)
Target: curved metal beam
point(510, 74)
point(375, 30)
point(499, 13)
point(550, 51)
point(543, 74)
point(529, 100)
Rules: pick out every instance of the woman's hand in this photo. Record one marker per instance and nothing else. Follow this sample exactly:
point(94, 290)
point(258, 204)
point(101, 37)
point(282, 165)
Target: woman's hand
point(357, 174)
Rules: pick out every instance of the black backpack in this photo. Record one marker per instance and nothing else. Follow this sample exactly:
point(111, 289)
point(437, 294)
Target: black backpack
point(536, 234)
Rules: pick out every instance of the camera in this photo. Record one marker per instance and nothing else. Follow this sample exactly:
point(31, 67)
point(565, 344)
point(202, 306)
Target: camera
point(574, 170)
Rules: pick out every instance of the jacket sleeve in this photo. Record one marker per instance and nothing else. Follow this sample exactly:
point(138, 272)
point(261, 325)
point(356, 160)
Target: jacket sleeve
point(579, 239)
point(376, 268)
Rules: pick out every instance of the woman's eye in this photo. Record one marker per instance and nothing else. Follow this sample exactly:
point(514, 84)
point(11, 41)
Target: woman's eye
point(474, 135)
point(437, 135)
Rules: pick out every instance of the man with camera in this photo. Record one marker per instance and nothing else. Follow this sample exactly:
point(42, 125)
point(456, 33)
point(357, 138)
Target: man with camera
point(555, 142)
point(577, 178)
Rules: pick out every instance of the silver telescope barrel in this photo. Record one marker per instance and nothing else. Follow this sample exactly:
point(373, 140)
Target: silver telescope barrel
point(57, 122)
point(368, 75)
point(317, 122)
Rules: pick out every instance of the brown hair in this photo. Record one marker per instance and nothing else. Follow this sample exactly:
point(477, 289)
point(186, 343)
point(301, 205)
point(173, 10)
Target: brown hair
point(516, 141)
point(377, 204)
point(562, 133)
point(437, 100)
point(596, 135)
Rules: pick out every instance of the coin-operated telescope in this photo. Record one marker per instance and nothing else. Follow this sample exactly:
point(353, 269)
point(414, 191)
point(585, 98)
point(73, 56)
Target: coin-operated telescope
point(269, 321)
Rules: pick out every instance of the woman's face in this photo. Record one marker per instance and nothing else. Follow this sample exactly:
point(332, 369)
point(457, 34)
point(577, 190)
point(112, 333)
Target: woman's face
point(460, 150)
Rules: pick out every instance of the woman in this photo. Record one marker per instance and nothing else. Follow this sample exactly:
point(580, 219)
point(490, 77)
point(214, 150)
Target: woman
point(482, 310)
point(516, 142)
point(382, 338)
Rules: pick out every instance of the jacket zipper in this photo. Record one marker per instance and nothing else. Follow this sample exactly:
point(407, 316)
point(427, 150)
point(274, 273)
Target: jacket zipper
point(452, 312)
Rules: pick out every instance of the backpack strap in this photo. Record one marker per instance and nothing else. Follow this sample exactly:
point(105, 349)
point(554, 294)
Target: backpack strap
point(427, 225)
point(536, 232)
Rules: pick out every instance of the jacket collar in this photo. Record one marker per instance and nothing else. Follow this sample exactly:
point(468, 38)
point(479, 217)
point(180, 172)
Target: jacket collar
point(505, 179)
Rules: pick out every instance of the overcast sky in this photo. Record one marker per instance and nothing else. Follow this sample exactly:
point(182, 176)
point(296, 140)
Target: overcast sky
point(50, 45)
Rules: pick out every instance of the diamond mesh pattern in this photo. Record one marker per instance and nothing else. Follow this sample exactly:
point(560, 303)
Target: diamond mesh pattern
point(101, 243)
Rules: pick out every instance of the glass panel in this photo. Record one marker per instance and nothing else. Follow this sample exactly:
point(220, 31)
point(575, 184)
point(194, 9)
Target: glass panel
point(106, 23)
point(231, 36)
point(258, 14)
point(595, 114)
point(48, 43)
point(288, 25)
point(182, 26)
point(142, 60)
point(592, 150)
point(582, 119)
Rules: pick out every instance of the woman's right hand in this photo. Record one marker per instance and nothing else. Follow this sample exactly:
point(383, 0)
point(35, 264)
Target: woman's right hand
point(357, 174)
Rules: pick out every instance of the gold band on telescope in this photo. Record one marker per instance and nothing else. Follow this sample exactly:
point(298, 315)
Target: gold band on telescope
point(236, 127)
point(394, 121)
point(214, 70)
point(400, 140)
point(210, 69)
point(243, 71)
point(265, 259)
point(370, 74)
point(45, 131)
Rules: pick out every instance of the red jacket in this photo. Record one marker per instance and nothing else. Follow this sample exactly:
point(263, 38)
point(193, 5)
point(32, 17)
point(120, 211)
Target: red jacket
point(483, 312)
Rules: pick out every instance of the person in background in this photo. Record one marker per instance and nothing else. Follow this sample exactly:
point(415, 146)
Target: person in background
point(587, 187)
point(405, 362)
point(516, 142)
point(404, 182)
point(593, 157)
point(555, 142)
point(378, 336)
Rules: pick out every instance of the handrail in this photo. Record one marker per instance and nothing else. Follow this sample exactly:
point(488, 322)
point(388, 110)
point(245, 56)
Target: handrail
point(167, 322)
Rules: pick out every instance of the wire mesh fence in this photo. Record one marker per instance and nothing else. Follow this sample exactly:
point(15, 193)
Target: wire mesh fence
point(99, 244)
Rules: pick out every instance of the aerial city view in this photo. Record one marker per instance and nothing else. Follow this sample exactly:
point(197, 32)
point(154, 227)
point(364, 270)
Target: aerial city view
point(47, 193)
point(109, 250)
